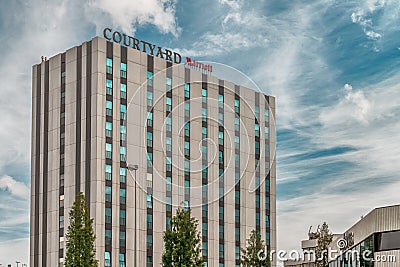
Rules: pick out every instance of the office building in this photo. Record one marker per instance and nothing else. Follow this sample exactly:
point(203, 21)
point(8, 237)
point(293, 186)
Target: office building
point(106, 115)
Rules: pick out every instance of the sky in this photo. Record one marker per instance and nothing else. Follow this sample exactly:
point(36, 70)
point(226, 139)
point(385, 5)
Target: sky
point(332, 65)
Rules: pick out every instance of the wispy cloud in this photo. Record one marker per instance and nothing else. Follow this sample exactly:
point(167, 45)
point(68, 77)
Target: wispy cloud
point(128, 15)
point(14, 187)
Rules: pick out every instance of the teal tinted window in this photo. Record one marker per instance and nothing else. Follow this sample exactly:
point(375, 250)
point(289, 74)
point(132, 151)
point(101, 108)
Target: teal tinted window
point(109, 104)
point(123, 66)
point(204, 92)
point(187, 90)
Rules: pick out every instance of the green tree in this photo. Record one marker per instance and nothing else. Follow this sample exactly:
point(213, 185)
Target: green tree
point(255, 253)
point(182, 241)
point(321, 252)
point(80, 236)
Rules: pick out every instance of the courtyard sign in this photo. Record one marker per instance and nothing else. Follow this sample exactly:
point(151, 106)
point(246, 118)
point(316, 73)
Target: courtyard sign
point(153, 50)
point(149, 48)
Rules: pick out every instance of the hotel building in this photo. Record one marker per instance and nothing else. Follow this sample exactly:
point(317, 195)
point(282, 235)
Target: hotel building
point(140, 136)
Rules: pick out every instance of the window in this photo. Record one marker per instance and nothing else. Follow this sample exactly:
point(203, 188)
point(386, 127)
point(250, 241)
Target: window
point(221, 232)
point(108, 129)
point(123, 91)
point(62, 118)
point(237, 105)
point(150, 119)
point(169, 104)
point(63, 77)
point(237, 160)
point(221, 118)
point(237, 233)
point(187, 167)
point(204, 133)
point(168, 142)
point(123, 112)
point(149, 78)
point(221, 251)
point(266, 131)
point(221, 98)
point(122, 196)
point(61, 220)
point(187, 109)
point(149, 159)
point(221, 138)
point(62, 97)
point(187, 90)
point(108, 151)
point(149, 201)
point(109, 107)
point(237, 124)
point(204, 93)
point(204, 249)
point(204, 152)
point(109, 63)
point(237, 199)
point(237, 142)
point(204, 229)
point(149, 241)
point(108, 172)
point(122, 130)
point(122, 153)
point(149, 221)
point(267, 223)
point(168, 122)
point(237, 214)
point(237, 253)
point(257, 112)
point(109, 87)
point(168, 163)
point(149, 98)
point(187, 149)
point(107, 259)
point(257, 129)
point(108, 215)
point(149, 139)
point(169, 183)
point(123, 70)
point(266, 115)
point(122, 260)
point(169, 84)
point(108, 194)
point(122, 239)
point(187, 129)
point(122, 175)
point(122, 217)
point(108, 237)
point(204, 112)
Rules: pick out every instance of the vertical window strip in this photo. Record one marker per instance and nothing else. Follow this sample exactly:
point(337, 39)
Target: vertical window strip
point(221, 142)
point(122, 164)
point(187, 141)
point(109, 147)
point(149, 196)
point(204, 172)
point(62, 161)
point(267, 174)
point(168, 86)
point(237, 177)
point(257, 160)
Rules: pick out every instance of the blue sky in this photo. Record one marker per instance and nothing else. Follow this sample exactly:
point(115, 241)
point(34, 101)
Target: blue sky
point(333, 67)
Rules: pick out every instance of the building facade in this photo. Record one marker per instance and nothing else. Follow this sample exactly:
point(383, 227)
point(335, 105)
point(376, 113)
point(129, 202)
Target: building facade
point(374, 240)
point(193, 140)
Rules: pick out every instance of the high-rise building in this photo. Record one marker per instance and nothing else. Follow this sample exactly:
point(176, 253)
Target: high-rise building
point(106, 114)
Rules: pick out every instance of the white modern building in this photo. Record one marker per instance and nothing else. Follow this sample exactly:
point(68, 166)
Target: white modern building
point(106, 114)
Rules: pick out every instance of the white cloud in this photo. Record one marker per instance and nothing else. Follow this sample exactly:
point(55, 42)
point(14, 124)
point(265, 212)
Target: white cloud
point(128, 15)
point(14, 250)
point(353, 107)
point(14, 187)
point(339, 210)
